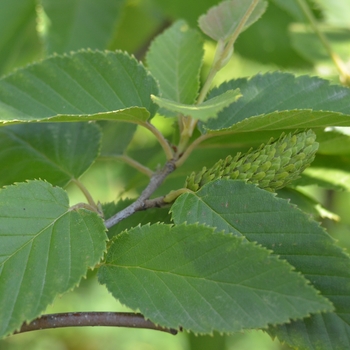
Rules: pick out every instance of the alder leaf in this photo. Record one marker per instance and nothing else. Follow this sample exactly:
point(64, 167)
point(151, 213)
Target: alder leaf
point(244, 209)
point(64, 24)
point(279, 100)
point(85, 85)
point(191, 276)
point(221, 21)
point(174, 59)
point(56, 152)
point(45, 249)
point(203, 111)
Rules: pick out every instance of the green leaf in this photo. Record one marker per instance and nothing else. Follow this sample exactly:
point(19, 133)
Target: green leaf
point(17, 28)
point(65, 23)
point(281, 101)
point(56, 152)
point(116, 136)
point(292, 8)
point(174, 59)
point(221, 21)
point(85, 85)
point(45, 249)
point(244, 209)
point(203, 111)
point(190, 276)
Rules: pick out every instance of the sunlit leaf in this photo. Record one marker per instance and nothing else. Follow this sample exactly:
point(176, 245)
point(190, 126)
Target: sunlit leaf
point(86, 85)
point(45, 249)
point(174, 59)
point(190, 276)
point(203, 111)
point(221, 21)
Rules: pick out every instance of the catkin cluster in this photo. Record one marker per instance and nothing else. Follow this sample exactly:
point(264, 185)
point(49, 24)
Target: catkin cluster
point(271, 166)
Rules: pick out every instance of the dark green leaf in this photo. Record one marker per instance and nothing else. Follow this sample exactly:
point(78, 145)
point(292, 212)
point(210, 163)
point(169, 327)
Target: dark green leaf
point(174, 59)
point(57, 152)
point(244, 209)
point(85, 85)
point(282, 101)
point(45, 249)
point(69, 25)
point(190, 276)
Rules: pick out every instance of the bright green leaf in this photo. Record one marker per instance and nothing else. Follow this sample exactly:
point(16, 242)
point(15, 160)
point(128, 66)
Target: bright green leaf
point(56, 152)
point(244, 209)
point(45, 249)
point(191, 276)
point(174, 59)
point(65, 23)
point(280, 101)
point(85, 85)
point(221, 21)
point(203, 111)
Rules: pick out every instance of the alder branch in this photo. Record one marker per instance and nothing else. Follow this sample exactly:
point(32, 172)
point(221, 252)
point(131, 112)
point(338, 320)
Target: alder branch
point(83, 319)
point(143, 201)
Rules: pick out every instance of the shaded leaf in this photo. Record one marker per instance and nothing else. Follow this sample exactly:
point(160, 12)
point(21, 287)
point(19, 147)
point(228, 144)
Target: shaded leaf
point(17, 22)
point(203, 111)
point(244, 209)
point(56, 152)
point(174, 59)
point(65, 23)
point(279, 101)
point(190, 276)
point(221, 21)
point(45, 249)
point(83, 85)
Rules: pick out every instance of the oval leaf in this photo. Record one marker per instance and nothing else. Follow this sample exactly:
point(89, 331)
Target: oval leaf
point(244, 209)
point(279, 101)
point(88, 85)
point(45, 249)
point(223, 20)
point(190, 276)
point(56, 152)
point(174, 59)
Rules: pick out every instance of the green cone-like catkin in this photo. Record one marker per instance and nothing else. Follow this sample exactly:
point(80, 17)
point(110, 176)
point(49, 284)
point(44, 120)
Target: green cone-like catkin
point(271, 166)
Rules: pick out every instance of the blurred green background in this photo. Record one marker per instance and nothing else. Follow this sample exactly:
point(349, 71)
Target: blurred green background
point(279, 41)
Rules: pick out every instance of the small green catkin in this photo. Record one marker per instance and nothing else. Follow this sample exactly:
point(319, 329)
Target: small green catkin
point(271, 166)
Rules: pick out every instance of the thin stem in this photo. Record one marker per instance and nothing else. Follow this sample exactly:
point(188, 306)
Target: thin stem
point(140, 203)
point(161, 139)
point(83, 319)
point(191, 148)
point(130, 161)
point(342, 69)
point(85, 192)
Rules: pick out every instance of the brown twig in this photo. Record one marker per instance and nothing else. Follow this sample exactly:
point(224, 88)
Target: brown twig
point(83, 319)
point(143, 201)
